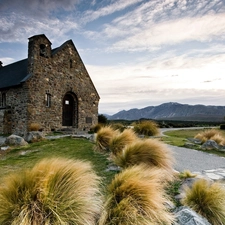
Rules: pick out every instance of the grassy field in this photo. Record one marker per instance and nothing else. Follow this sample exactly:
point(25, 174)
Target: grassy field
point(70, 148)
point(179, 138)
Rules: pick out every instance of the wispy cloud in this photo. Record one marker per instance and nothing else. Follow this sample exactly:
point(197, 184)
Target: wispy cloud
point(119, 5)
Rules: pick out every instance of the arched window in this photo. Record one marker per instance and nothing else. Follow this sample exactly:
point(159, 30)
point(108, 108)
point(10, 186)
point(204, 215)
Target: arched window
point(43, 50)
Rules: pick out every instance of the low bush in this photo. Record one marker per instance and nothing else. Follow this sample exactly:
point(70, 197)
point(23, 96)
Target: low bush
point(187, 174)
point(103, 138)
point(147, 128)
point(136, 197)
point(148, 151)
point(119, 141)
point(118, 126)
point(55, 191)
point(211, 134)
point(207, 199)
point(34, 127)
point(222, 126)
point(96, 128)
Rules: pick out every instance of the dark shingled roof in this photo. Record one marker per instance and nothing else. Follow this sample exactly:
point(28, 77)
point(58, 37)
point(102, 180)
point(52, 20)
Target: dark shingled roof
point(13, 74)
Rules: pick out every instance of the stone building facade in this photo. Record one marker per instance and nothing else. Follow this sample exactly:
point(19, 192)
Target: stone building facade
point(51, 88)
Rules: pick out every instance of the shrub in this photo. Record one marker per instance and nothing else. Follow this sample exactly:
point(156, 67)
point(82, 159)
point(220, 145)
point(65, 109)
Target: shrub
point(103, 138)
point(211, 134)
point(186, 174)
point(207, 199)
point(118, 142)
point(55, 191)
point(102, 119)
point(222, 126)
point(149, 151)
point(147, 128)
point(96, 128)
point(118, 126)
point(136, 197)
point(34, 127)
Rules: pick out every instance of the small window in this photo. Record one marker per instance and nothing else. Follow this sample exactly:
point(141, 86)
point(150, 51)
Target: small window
point(3, 103)
point(48, 100)
point(67, 102)
point(43, 50)
point(71, 63)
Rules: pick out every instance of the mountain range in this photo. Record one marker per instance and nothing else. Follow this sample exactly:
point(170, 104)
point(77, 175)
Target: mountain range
point(173, 111)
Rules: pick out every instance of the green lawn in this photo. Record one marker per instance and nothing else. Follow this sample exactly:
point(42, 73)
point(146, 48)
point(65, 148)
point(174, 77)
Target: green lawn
point(179, 138)
point(26, 157)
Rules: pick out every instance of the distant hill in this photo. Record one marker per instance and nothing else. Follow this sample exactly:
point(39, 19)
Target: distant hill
point(173, 111)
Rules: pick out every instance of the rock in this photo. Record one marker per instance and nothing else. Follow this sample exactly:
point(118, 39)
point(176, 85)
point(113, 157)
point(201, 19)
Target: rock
point(190, 145)
point(5, 148)
point(194, 141)
point(210, 144)
point(34, 136)
point(15, 140)
point(186, 216)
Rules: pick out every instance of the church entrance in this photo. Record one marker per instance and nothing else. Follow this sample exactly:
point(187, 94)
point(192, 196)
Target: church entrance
point(69, 117)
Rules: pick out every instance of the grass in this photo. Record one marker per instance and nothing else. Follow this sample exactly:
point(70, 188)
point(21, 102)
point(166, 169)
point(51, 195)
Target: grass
point(26, 157)
point(151, 152)
point(207, 199)
point(136, 196)
point(54, 191)
point(179, 138)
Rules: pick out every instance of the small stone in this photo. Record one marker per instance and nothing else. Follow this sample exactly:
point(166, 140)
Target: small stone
point(186, 216)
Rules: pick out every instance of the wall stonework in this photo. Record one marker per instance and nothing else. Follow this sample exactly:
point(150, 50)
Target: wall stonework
point(54, 72)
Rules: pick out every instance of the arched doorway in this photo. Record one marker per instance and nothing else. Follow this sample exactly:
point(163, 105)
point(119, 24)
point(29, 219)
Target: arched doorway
point(69, 117)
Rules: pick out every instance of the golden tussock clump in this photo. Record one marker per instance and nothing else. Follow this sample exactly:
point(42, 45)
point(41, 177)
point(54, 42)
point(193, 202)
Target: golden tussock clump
point(55, 191)
point(103, 138)
point(208, 199)
point(136, 197)
point(148, 151)
point(211, 134)
point(119, 141)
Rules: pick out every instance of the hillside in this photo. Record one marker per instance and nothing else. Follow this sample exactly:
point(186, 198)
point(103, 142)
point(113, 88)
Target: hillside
point(173, 111)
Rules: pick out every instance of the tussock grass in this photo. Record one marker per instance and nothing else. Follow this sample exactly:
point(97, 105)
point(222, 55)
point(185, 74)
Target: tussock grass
point(149, 151)
point(207, 199)
point(187, 174)
point(118, 126)
point(147, 128)
point(55, 191)
point(119, 141)
point(103, 138)
point(34, 127)
point(96, 128)
point(136, 197)
point(211, 134)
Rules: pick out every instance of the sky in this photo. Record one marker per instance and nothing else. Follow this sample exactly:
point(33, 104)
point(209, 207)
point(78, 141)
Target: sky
point(138, 53)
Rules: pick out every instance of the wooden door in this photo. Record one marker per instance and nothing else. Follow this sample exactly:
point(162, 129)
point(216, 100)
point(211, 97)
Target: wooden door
point(68, 110)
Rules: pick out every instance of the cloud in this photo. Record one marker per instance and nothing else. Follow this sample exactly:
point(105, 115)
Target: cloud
point(203, 29)
point(16, 28)
point(119, 5)
point(37, 7)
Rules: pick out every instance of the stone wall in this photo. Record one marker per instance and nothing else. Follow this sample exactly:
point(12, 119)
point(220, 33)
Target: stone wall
point(14, 116)
point(57, 74)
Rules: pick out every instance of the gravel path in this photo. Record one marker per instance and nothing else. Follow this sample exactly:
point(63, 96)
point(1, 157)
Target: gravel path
point(195, 161)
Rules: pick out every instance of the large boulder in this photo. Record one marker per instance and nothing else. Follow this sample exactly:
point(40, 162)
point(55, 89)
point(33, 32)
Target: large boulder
point(210, 144)
point(34, 136)
point(186, 216)
point(15, 140)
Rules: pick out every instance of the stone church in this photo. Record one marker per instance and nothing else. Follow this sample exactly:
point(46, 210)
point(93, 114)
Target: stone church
point(51, 88)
